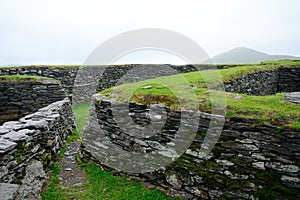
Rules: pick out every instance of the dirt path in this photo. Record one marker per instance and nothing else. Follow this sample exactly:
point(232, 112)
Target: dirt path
point(70, 175)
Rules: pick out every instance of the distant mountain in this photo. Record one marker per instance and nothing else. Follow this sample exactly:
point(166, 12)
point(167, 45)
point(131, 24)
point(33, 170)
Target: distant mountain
point(243, 55)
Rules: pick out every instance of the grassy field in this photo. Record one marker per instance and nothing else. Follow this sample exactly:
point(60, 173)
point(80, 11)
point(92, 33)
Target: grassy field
point(100, 184)
point(192, 89)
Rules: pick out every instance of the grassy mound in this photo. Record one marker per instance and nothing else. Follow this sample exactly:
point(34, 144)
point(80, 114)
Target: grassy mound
point(180, 91)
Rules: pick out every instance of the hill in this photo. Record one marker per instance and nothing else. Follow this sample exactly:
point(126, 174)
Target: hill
point(243, 55)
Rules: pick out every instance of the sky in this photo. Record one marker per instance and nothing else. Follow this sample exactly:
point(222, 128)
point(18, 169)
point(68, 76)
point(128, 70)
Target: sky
point(67, 31)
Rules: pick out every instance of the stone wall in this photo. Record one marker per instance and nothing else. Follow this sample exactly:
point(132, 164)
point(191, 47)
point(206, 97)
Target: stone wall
point(266, 82)
point(288, 80)
point(31, 145)
point(249, 161)
point(20, 99)
point(66, 75)
point(92, 79)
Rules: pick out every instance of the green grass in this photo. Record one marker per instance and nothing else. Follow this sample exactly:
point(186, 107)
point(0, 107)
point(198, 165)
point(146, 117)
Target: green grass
point(53, 192)
point(100, 184)
point(190, 91)
point(285, 63)
point(21, 78)
point(81, 112)
point(40, 66)
point(103, 185)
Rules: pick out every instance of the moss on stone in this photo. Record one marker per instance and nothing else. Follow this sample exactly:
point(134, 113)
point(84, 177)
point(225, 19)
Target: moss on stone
point(273, 187)
point(46, 159)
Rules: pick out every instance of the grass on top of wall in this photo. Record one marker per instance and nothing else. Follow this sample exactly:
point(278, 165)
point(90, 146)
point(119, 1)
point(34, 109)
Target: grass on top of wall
point(42, 66)
point(180, 92)
point(24, 78)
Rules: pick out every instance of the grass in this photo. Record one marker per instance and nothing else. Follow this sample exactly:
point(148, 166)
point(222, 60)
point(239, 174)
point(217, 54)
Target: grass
point(103, 185)
point(39, 66)
point(21, 78)
point(100, 184)
point(191, 91)
point(81, 112)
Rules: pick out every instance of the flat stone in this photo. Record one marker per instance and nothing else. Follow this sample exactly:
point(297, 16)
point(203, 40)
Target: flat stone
point(236, 176)
point(39, 124)
point(147, 87)
point(259, 165)
point(16, 136)
point(169, 152)
point(33, 181)
point(6, 145)
point(140, 142)
point(224, 162)
point(3, 171)
point(156, 145)
point(200, 193)
point(248, 147)
point(36, 115)
point(283, 168)
point(8, 191)
point(289, 179)
point(174, 181)
point(215, 193)
point(12, 125)
point(3, 130)
point(201, 155)
point(244, 141)
point(293, 97)
point(259, 157)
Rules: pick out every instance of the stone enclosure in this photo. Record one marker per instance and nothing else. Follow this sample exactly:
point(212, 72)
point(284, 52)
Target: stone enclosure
point(36, 116)
point(29, 146)
point(249, 161)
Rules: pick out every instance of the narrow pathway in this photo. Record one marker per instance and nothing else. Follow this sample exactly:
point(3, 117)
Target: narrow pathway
point(70, 175)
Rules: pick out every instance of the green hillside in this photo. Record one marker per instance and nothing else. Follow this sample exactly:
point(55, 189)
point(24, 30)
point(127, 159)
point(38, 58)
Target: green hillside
point(185, 91)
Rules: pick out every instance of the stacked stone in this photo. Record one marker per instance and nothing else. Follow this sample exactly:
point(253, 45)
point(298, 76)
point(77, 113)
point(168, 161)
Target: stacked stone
point(249, 161)
point(34, 140)
point(20, 99)
point(259, 84)
point(289, 80)
point(65, 75)
point(266, 82)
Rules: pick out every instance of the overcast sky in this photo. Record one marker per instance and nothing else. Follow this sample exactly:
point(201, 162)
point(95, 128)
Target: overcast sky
point(67, 31)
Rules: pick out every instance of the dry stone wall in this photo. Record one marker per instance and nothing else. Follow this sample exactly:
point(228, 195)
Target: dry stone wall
point(83, 82)
point(249, 161)
point(65, 75)
point(29, 147)
point(92, 79)
point(266, 82)
point(20, 99)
